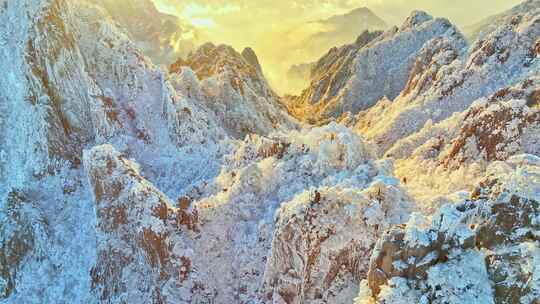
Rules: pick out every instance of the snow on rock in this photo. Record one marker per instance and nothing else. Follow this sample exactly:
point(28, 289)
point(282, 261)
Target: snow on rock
point(339, 61)
point(261, 210)
point(324, 238)
point(137, 229)
point(481, 250)
point(233, 86)
point(76, 80)
point(237, 209)
point(359, 75)
point(504, 57)
point(493, 128)
point(160, 36)
point(490, 24)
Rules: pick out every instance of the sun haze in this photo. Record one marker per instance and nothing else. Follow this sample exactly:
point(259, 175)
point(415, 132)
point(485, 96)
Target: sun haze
point(285, 33)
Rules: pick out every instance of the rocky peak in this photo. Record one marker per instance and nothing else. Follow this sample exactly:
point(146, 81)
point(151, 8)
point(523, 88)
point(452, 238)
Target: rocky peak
point(138, 228)
point(233, 86)
point(505, 53)
point(250, 56)
point(210, 60)
point(359, 73)
point(416, 18)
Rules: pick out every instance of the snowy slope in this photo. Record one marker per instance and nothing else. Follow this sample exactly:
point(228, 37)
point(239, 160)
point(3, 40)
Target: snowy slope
point(352, 82)
point(504, 57)
point(489, 24)
point(481, 250)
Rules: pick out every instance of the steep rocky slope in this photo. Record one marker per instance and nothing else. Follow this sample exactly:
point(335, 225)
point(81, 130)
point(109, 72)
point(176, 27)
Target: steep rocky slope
point(74, 80)
point(124, 183)
point(233, 86)
point(346, 80)
point(504, 57)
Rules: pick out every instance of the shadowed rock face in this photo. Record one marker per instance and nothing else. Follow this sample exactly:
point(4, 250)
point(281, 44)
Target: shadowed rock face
point(250, 56)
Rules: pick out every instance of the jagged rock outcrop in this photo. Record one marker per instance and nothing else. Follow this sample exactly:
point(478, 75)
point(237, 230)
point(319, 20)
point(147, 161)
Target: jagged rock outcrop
point(483, 250)
point(358, 75)
point(496, 131)
point(504, 57)
point(22, 237)
point(233, 87)
point(323, 242)
point(138, 233)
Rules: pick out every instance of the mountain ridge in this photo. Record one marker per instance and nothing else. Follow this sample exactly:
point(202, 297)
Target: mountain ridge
point(416, 180)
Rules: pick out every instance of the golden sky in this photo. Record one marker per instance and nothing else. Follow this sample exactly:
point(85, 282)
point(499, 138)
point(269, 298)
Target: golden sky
point(274, 27)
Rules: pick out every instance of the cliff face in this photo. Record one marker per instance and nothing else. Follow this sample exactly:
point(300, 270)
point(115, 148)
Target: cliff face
point(76, 80)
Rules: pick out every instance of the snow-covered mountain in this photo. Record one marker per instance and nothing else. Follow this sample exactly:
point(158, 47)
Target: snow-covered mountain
point(320, 35)
point(345, 80)
point(503, 58)
point(233, 86)
point(491, 23)
point(123, 182)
